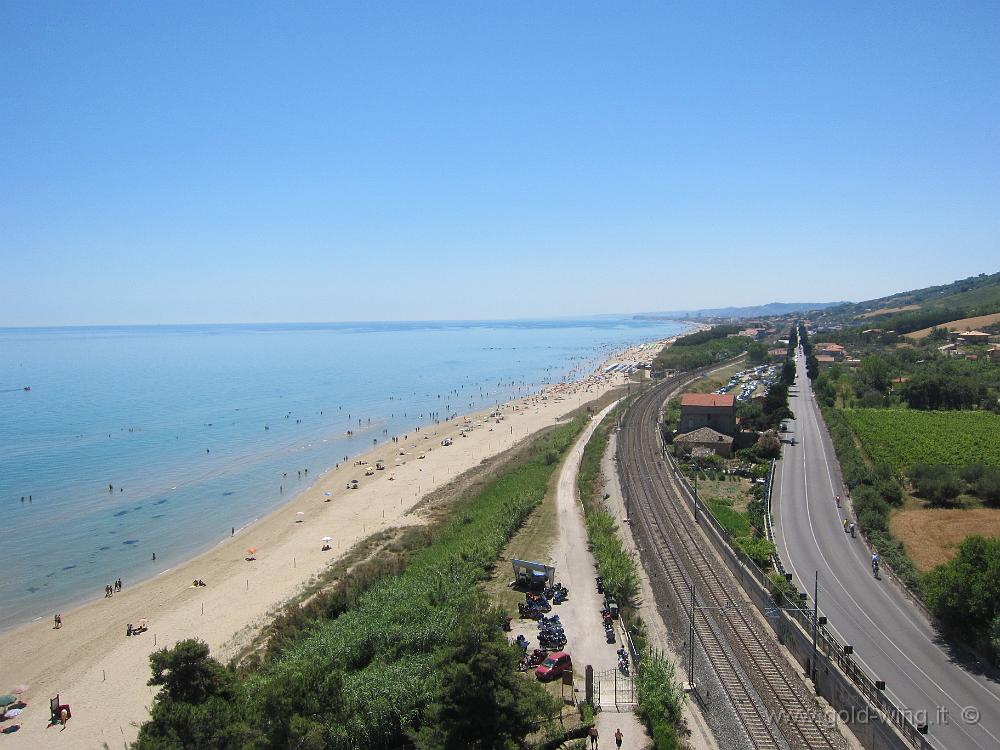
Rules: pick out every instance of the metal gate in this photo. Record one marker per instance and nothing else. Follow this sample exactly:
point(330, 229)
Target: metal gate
point(612, 688)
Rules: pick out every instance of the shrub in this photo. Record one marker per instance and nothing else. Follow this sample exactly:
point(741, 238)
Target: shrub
point(767, 447)
point(964, 593)
point(660, 699)
point(936, 482)
point(987, 485)
point(781, 589)
point(758, 549)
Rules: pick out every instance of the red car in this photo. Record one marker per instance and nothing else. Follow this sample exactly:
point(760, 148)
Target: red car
point(557, 663)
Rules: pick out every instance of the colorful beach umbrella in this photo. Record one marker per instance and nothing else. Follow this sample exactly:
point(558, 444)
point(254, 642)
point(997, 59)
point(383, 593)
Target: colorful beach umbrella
point(252, 550)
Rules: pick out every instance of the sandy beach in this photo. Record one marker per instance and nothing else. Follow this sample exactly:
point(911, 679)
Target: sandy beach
point(101, 673)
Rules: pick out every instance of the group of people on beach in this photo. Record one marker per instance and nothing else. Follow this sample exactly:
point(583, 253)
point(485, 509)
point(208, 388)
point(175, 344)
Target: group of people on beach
point(111, 588)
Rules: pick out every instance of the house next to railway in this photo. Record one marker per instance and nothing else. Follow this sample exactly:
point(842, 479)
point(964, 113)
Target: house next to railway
point(717, 411)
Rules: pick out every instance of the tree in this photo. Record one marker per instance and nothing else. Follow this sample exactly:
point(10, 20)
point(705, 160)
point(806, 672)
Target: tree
point(484, 703)
point(874, 374)
point(756, 353)
point(186, 672)
point(812, 367)
point(788, 372)
point(943, 390)
point(197, 707)
point(768, 446)
point(964, 593)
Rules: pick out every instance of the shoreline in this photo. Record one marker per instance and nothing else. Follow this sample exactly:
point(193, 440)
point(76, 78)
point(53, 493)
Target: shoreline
point(102, 673)
point(355, 443)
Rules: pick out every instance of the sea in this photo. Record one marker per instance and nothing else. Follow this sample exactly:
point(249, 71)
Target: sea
point(161, 439)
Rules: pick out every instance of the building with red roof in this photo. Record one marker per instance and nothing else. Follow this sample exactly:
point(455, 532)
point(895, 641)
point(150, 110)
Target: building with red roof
point(717, 411)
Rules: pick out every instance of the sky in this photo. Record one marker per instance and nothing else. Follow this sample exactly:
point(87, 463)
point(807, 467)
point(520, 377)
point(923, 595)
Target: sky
point(245, 162)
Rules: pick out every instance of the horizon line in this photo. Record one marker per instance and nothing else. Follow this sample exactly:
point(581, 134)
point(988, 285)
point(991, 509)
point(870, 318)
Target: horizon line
point(325, 322)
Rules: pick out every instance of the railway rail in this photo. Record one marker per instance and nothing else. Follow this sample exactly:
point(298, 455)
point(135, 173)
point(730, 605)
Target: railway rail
point(772, 704)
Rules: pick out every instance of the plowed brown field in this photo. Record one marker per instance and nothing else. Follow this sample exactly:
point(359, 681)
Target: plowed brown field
point(932, 535)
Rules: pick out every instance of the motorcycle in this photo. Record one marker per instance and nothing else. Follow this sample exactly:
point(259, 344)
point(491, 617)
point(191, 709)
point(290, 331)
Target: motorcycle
point(529, 661)
point(609, 634)
point(528, 612)
point(623, 666)
point(552, 641)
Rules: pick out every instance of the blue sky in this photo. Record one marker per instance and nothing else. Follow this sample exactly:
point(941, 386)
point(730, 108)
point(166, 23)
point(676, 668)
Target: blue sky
point(226, 162)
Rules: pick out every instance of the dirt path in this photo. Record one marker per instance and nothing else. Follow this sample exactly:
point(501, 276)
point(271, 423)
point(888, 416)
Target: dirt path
point(581, 614)
point(701, 737)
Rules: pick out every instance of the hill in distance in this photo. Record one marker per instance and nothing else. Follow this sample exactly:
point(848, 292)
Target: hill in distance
point(934, 305)
point(737, 313)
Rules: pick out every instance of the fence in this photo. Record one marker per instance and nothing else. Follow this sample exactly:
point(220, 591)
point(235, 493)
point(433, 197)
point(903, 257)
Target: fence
point(796, 621)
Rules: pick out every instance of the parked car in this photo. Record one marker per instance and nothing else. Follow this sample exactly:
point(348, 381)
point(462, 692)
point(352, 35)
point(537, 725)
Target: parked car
point(554, 666)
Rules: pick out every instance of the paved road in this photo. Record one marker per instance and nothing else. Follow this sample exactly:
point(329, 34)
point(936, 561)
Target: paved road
point(892, 638)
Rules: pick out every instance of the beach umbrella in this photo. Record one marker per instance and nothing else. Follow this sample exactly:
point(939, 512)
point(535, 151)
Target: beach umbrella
point(328, 494)
point(6, 700)
point(299, 519)
point(143, 622)
point(327, 539)
point(252, 550)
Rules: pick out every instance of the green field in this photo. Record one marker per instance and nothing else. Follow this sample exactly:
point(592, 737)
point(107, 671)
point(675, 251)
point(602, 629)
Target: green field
point(901, 438)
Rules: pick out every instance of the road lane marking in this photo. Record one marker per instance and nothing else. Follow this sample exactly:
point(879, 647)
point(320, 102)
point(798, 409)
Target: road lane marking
point(908, 616)
point(865, 614)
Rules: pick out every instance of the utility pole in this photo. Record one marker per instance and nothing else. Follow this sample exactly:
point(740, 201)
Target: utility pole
point(691, 643)
point(815, 620)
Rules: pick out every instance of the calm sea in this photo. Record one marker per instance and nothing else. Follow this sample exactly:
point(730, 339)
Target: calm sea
point(193, 426)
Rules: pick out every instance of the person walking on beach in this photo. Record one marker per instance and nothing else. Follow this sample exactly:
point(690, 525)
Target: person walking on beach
point(58, 621)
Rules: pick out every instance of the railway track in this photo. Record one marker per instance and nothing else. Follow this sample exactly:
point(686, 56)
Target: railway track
point(772, 704)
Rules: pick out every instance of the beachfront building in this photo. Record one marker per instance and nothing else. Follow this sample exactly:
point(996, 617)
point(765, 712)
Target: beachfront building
point(716, 411)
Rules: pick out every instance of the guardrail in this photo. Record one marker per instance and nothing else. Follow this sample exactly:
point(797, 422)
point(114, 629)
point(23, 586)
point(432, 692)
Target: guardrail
point(827, 644)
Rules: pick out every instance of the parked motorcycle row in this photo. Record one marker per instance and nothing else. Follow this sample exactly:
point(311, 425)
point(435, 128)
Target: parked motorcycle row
point(608, 616)
point(551, 636)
